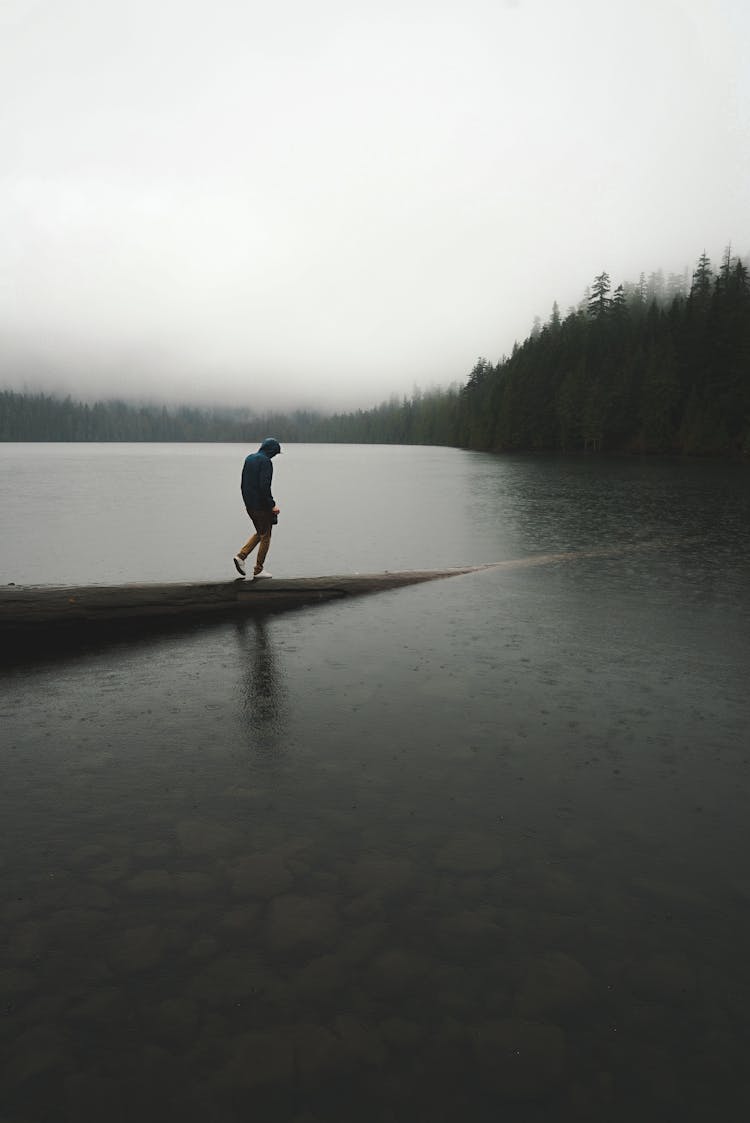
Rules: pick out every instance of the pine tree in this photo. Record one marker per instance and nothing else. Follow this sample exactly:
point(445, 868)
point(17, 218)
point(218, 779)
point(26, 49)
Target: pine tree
point(599, 302)
point(700, 289)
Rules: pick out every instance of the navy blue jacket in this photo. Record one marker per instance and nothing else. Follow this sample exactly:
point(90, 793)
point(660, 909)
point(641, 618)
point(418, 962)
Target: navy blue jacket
point(257, 474)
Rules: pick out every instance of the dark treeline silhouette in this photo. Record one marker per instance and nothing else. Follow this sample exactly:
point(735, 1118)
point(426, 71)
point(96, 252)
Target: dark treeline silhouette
point(427, 419)
point(658, 366)
point(41, 417)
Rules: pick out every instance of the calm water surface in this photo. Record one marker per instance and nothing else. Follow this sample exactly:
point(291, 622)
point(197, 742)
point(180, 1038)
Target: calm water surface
point(469, 850)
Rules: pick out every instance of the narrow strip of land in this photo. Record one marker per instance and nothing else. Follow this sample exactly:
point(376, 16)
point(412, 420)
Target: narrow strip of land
point(49, 607)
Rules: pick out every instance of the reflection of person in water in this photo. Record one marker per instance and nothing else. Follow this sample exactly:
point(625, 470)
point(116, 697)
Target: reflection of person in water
point(264, 693)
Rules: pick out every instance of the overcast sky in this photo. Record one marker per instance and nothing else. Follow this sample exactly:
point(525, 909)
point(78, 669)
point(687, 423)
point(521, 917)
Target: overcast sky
point(327, 203)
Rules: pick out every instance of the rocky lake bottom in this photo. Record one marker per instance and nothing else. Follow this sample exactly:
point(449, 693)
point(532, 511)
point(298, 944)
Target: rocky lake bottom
point(474, 850)
point(259, 873)
point(216, 972)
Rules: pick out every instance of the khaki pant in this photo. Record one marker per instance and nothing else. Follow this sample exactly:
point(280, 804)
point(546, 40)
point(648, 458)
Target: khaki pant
point(262, 521)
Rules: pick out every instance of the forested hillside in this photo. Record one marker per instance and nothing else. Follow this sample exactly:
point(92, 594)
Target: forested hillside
point(648, 367)
point(655, 366)
point(41, 417)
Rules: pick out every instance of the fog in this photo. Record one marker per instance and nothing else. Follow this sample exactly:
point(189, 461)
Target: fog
point(327, 204)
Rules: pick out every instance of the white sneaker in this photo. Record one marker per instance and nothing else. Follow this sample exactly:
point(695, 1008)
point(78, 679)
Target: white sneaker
point(263, 573)
point(239, 564)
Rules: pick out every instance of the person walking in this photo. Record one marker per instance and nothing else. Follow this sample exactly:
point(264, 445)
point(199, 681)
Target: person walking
point(257, 474)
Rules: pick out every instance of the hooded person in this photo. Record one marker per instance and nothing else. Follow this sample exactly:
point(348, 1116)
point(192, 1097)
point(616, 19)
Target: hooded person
point(257, 476)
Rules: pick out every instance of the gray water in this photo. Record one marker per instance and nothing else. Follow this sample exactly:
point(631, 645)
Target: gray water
point(470, 850)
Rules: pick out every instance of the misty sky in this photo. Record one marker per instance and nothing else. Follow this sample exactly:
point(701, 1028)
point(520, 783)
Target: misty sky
point(327, 203)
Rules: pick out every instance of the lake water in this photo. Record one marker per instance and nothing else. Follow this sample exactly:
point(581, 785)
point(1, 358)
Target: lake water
point(470, 850)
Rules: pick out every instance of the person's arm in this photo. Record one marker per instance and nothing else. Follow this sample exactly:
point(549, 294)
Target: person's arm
point(245, 483)
point(264, 484)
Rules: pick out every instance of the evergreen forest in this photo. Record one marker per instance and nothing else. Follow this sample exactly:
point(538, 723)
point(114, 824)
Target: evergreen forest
point(657, 366)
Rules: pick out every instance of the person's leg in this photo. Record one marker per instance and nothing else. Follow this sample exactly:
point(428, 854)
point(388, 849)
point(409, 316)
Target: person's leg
point(265, 543)
point(248, 547)
point(262, 521)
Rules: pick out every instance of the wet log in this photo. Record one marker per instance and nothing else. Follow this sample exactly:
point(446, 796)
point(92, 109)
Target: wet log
point(46, 608)
point(34, 620)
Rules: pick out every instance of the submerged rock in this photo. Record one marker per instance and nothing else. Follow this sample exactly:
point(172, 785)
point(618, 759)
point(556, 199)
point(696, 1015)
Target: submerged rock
point(205, 947)
point(203, 836)
point(107, 1005)
point(242, 919)
point(400, 1033)
point(194, 883)
point(27, 941)
point(554, 888)
point(470, 853)
point(359, 944)
point(88, 854)
point(39, 1052)
point(151, 850)
point(673, 894)
point(349, 1044)
point(362, 1040)
point(86, 896)
point(16, 910)
point(554, 983)
point(521, 1059)
point(175, 1019)
point(469, 933)
point(575, 840)
point(667, 979)
point(75, 927)
point(88, 1095)
point(472, 888)
point(138, 949)
point(229, 980)
point(109, 872)
point(261, 875)
point(13, 981)
point(150, 881)
point(319, 1052)
point(259, 1058)
point(321, 977)
point(365, 907)
point(302, 924)
point(454, 990)
point(379, 875)
point(394, 971)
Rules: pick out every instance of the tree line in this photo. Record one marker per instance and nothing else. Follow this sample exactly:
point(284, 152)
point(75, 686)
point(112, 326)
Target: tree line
point(43, 417)
point(661, 365)
point(656, 366)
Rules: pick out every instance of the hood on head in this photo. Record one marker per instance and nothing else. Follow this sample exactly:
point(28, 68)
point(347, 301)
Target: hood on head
point(270, 446)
